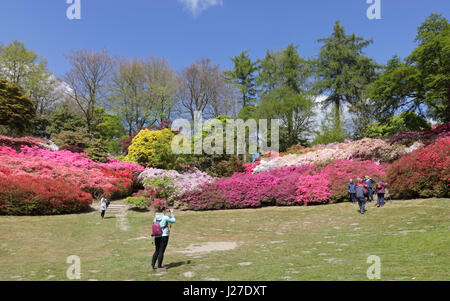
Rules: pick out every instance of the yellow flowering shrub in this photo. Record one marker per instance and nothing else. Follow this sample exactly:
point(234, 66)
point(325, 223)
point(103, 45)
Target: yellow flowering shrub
point(152, 148)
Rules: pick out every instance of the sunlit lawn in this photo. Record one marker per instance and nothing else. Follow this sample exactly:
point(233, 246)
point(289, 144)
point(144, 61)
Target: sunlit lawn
point(332, 242)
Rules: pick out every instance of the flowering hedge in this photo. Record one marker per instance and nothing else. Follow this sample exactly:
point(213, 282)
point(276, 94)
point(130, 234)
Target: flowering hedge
point(330, 183)
point(17, 142)
point(182, 182)
point(423, 173)
point(243, 190)
point(113, 178)
point(39, 196)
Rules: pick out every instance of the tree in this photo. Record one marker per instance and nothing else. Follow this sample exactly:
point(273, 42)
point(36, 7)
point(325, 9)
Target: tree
point(29, 71)
point(88, 80)
point(108, 129)
point(342, 71)
point(406, 121)
point(243, 76)
point(286, 96)
point(16, 110)
point(201, 84)
point(142, 92)
point(64, 118)
point(420, 83)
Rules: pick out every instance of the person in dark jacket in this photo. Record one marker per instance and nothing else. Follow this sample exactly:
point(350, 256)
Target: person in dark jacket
point(380, 190)
point(369, 181)
point(352, 191)
point(360, 191)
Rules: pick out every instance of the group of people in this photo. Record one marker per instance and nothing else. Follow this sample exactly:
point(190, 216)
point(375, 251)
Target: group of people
point(160, 233)
point(363, 190)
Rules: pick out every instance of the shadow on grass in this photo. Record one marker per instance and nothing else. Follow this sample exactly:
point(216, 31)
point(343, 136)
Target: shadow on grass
point(177, 264)
point(142, 210)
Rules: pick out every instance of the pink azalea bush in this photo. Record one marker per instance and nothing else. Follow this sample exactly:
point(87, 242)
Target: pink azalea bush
point(330, 183)
point(113, 178)
point(182, 182)
point(244, 190)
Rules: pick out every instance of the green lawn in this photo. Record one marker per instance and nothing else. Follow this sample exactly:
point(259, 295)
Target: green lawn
point(332, 242)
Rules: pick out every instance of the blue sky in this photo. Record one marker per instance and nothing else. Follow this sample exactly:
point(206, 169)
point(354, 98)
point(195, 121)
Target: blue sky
point(175, 30)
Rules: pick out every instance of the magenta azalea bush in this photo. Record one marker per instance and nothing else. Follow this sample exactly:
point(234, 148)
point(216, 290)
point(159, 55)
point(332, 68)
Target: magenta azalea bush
point(277, 187)
point(329, 185)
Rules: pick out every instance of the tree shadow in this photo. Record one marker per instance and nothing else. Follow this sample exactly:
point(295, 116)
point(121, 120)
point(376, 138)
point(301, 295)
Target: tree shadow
point(177, 264)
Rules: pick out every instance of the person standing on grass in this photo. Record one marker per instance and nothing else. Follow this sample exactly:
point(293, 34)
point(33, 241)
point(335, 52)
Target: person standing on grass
point(380, 190)
point(360, 196)
point(162, 237)
point(369, 181)
point(352, 191)
point(103, 206)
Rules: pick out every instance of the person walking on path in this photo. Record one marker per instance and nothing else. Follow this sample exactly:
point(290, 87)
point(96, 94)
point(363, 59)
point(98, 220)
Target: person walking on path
point(369, 181)
point(161, 235)
point(352, 191)
point(380, 190)
point(360, 191)
point(103, 206)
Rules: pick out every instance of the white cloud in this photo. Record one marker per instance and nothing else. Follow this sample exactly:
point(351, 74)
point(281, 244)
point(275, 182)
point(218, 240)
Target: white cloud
point(195, 7)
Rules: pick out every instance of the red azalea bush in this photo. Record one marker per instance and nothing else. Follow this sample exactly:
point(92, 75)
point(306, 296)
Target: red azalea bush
point(40, 196)
point(95, 179)
point(423, 173)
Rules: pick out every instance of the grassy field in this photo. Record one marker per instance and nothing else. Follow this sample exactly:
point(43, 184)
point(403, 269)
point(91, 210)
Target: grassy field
point(332, 242)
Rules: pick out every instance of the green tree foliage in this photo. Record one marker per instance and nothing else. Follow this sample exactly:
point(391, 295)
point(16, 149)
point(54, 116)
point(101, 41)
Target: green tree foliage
point(285, 97)
point(421, 82)
point(80, 138)
point(64, 118)
point(343, 72)
point(109, 129)
point(329, 132)
point(243, 76)
point(97, 151)
point(17, 111)
point(406, 121)
point(29, 71)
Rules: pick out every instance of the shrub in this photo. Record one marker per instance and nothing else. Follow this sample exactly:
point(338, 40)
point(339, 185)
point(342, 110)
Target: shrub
point(17, 142)
point(181, 182)
point(330, 183)
point(152, 148)
point(277, 187)
point(72, 148)
point(80, 137)
point(40, 196)
point(227, 168)
point(137, 201)
point(423, 173)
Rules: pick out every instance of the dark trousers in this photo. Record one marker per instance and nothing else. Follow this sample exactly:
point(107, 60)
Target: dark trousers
point(161, 245)
point(380, 201)
point(370, 196)
point(103, 213)
point(352, 197)
point(361, 203)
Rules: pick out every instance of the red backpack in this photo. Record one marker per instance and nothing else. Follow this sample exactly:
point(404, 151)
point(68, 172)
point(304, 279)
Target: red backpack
point(156, 229)
point(379, 187)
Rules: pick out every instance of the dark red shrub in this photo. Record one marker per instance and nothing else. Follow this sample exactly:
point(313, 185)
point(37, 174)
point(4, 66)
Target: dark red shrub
point(72, 148)
point(423, 173)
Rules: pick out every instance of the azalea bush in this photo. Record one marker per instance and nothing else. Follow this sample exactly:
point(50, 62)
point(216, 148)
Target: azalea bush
point(423, 173)
point(152, 148)
point(329, 185)
point(137, 201)
point(113, 178)
point(244, 190)
point(180, 182)
point(17, 142)
point(30, 195)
